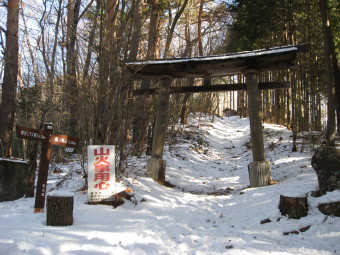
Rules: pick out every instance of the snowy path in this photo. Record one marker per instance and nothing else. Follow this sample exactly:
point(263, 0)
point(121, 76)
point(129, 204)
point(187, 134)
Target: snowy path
point(189, 219)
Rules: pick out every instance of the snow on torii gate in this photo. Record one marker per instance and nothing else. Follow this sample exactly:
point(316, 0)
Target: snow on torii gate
point(248, 63)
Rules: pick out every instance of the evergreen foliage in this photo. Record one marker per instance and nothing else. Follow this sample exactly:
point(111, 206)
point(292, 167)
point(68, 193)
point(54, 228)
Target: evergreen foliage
point(109, 34)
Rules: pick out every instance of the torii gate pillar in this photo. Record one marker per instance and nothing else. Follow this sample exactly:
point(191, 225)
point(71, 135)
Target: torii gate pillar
point(259, 170)
point(156, 165)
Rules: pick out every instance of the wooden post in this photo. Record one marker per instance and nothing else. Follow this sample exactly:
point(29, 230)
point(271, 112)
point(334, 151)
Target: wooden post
point(43, 171)
point(259, 173)
point(47, 138)
point(259, 170)
point(156, 166)
point(59, 210)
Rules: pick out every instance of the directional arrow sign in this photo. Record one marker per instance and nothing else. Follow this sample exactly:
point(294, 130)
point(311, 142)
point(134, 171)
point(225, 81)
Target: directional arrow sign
point(47, 138)
point(32, 134)
point(64, 140)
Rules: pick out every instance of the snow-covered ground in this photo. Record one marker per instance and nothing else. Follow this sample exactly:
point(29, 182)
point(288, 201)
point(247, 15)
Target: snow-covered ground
point(210, 210)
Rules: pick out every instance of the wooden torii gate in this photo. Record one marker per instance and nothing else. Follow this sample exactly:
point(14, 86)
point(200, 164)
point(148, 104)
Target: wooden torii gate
point(248, 63)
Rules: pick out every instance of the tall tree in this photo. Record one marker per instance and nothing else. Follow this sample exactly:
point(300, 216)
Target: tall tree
point(143, 109)
point(288, 22)
point(71, 61)
point(199, 28)
point(9, 85)
point(332, 68)
point(170, 34)
point(107, 58)
point(137, 30)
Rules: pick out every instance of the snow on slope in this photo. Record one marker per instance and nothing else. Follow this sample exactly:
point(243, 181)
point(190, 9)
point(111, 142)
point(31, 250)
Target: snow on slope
point(210, 210)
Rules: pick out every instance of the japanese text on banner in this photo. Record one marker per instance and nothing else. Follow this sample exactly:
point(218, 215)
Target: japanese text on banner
point(101, 172)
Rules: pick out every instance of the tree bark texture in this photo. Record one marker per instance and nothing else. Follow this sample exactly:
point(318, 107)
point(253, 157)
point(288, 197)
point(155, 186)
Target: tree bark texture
point(330, 54)
point(9, 86)
point(172, 29)
point(59, 211)
point(143, 108)
point(293, 207)
point(71, 60)
point(32, 165)
point(137, 30)
point(199, 28)
point(184, 109)
point(13, 177)
point(330, 131)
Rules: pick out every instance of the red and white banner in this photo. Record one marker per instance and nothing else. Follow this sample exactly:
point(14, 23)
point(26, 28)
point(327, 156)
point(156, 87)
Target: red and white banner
point(101, 172)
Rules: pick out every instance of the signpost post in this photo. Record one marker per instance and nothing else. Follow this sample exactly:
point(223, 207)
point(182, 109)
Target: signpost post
point(47, 138)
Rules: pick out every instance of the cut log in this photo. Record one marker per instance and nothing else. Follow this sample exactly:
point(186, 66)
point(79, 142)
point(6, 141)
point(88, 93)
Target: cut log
point(293, 207)
point(117, 199)
point(59, 210)
point(296, 232)
point(125, 194)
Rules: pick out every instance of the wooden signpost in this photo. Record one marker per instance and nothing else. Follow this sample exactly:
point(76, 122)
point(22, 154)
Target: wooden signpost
point(47, 138)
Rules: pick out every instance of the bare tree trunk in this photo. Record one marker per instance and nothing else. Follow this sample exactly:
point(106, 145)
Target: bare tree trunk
point(186, 98)
point(333, 75)
point(185, 104)
point(295, 112)
point(90, 44)
point(32, 167)
point(199, 28)
point(241, 102)
point(143, 109)
point(172, 29)
point(137, 30)
point(49, 60)
point(106, 89)
point(8, 102)
point(71, 89)
point(30, 50)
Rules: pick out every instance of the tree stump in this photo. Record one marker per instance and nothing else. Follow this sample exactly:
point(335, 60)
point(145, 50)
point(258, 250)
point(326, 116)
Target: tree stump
point(293, 207)
point(59, 209)
point(259, 173)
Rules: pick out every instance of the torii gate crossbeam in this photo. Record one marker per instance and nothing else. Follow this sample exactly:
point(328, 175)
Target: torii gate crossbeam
point(247, 63)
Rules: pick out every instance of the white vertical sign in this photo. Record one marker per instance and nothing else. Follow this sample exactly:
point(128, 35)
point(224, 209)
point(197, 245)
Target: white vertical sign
point(101, 172)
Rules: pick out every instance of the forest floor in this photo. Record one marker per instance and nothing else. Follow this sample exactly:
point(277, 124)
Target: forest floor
point(210, 209)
